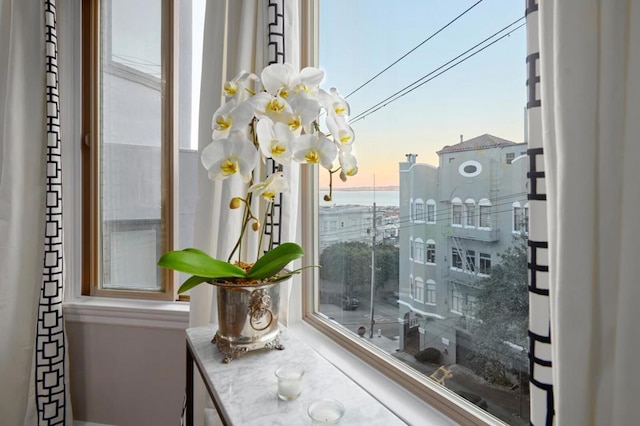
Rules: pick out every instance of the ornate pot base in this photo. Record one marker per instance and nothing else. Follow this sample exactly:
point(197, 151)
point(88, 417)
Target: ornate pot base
point(247, 319)
point(232, 351)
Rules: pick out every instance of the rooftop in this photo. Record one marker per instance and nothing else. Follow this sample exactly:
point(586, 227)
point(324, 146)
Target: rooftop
point(479, 142)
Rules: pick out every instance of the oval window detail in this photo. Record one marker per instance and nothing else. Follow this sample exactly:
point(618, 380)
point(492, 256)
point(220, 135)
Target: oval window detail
point(470, 168)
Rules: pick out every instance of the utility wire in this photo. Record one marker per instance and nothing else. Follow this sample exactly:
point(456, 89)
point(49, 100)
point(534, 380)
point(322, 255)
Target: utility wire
point(412, 50)
point(413, 86)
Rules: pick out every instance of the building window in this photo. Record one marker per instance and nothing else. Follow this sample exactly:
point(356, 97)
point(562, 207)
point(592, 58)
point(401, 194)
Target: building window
point(470, 213)
point(456, 212)
point(431, 251)
point(456, 302)
point(131, 121)
point(484, 208)
point(456, 258)
point(412, 286)
point(484, 264)
point(510, 157)
point(471, 261)
point(418, 251)
point(520, 218)
point(412, 215)
point(472, 306)
point(431, 211)
point(411, 249)
point(419, 290)
point(419, 212)
point(431, 292)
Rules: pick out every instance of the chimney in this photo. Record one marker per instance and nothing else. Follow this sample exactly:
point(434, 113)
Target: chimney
point(411, 158)
point(461, 139)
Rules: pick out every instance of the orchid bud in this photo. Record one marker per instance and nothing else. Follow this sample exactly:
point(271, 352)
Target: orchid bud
point(235, 203)
point(327, 198)
point(255, 226)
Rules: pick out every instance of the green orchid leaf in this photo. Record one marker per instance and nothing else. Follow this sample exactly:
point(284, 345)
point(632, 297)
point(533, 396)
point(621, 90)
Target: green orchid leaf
point(275, 260)
point(191, 283)
point(196, 262)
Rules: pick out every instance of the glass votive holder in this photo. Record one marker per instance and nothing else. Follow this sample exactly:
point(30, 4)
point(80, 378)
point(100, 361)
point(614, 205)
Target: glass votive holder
point(289, 381)
point(326, 412)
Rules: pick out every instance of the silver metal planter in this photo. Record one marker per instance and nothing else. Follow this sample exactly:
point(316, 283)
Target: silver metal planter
point(247, 318)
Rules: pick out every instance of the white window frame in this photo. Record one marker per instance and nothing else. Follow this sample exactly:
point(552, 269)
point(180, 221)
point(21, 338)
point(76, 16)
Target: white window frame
point(456, 212)
point(430, 293)
point(420, 212)
point(418, 250)
point(470, 260)
point(470, 213)
point(429, 245)
point(457, 301)
point(484, 208)
point(431, 211)
point(455, 252)
point(481, 258)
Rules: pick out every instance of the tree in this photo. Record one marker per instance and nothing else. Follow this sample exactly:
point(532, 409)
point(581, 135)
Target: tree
point(503, 312)
point(349, 263)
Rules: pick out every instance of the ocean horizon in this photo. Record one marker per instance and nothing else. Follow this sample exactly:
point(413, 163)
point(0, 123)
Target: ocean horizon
point(361, 198)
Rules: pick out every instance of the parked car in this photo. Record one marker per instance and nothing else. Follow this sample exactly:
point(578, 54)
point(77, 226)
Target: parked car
point(350, 303)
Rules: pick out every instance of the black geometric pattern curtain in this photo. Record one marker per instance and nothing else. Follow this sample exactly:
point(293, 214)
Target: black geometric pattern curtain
point(50, 351)
point(540, 333)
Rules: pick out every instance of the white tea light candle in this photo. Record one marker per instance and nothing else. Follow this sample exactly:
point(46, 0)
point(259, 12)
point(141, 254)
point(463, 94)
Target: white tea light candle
point(326, 412)
point(289, 381)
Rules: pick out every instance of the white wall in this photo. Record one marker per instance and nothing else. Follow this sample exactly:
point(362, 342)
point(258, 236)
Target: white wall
point(126, 375)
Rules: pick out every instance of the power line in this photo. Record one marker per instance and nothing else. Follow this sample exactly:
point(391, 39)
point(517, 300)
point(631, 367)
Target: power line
point(412, 50)
point(418, 83)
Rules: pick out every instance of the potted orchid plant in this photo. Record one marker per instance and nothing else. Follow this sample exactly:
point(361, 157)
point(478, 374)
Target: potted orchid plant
point(275, 116)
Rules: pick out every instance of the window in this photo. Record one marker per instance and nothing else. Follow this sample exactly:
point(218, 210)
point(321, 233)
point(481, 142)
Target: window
point(456, 212)
point(520, 218)
point(485, 264)
point(456, 302)
point(431, 211)
point(470, 213)
point(419, 290)
point(472, 306)
point(484, 214)
point(431, 251)
point(131, 151)
point(471, 261)
point(456, 258)
point(431, 292)
point(420, 214)
point(510, 157)
point(418, 250)
point(442, 186)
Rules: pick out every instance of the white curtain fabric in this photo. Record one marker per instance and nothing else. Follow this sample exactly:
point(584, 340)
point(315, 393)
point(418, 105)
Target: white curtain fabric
point(244, 35)
point(590, 102)
point(33, 380)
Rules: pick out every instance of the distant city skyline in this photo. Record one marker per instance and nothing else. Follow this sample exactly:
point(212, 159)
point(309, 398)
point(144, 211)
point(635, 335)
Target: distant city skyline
point(485, 94)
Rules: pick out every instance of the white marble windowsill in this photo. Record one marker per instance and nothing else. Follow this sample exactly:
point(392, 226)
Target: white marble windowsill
point(246, 388)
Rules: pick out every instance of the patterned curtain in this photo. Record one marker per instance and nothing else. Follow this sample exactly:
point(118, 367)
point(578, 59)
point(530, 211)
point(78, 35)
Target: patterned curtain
point(541, 383)
point(52, 399)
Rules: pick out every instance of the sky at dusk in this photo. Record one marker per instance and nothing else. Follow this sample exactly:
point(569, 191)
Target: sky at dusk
point(484, 94)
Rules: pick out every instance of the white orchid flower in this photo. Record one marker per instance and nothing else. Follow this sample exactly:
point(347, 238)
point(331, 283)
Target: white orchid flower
point(342, 133)
point(275, 184)
point(304, 111)
point(348, 164)
point(239, 87)
point(334, 103)
point(230, 117)
point(315, 148)
point(279, 79)
point(273, 107)
point(274, 140)
point(308, 81)
point(224, 158)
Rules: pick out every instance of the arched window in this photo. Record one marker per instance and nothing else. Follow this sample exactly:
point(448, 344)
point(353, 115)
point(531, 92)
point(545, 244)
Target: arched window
point(431, 211)
point(456, 212)
point(484, 214)
point(411, 215)
point(419, 296)
point(418, 250)
point(430, 248)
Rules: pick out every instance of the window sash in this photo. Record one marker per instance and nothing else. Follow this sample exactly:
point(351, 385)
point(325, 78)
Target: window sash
point(94, 242)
